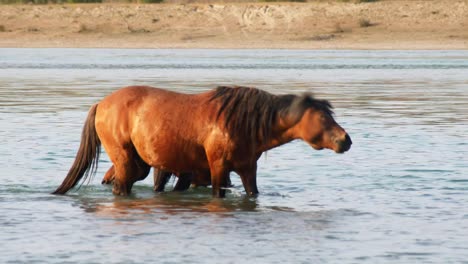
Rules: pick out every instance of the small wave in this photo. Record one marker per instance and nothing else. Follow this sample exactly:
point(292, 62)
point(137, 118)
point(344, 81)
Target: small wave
point(26, 189)
point(408, 177)
point(402, 254)
point(276, 194)
point(429, 170)
point(459, 180)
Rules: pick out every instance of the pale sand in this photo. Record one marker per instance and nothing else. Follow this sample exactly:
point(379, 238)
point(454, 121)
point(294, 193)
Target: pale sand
point(438, 24)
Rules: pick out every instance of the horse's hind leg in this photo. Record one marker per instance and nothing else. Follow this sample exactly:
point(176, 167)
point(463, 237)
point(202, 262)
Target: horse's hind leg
point(184, 181)
point(129, 168)
point(161, 177)
point(109, 176)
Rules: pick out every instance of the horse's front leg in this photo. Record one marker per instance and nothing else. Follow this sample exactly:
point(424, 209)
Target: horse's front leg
point(217, 154)
point(219, 178)
point(249, 179)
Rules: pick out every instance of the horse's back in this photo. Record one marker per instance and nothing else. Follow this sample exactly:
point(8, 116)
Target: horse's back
point(137, 100)
point(134, 95)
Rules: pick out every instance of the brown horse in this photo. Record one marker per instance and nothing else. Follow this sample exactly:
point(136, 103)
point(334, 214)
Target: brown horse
point(219, 131)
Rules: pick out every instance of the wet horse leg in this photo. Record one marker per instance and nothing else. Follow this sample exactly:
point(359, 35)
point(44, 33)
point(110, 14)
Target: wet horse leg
point(161, 178)
point(219, 180)
point(219, 169)
point(204, 179)
point(129, 168)
point(201, 178)
point(249, 179)
point(109, 176)
point(184, 181)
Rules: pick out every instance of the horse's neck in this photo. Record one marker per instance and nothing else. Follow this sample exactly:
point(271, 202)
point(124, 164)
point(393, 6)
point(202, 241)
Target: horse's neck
point(277, 140)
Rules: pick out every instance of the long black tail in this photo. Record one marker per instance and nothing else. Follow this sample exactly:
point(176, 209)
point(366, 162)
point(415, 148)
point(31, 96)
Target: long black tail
point(86, 161)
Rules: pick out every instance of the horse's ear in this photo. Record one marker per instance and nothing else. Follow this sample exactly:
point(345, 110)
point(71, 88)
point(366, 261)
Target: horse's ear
point(296, 109)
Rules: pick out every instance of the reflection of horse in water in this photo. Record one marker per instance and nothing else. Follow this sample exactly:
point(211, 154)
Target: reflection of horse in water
point(173, 204)
point(219, 131)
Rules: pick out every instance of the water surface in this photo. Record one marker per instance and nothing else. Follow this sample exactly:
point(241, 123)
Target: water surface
point(400, 195)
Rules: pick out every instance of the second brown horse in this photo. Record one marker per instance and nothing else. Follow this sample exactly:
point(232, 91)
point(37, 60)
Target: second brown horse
point(216, 132)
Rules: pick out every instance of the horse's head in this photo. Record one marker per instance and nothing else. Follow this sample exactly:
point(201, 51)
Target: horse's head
point(319, 129)
point(317, 126)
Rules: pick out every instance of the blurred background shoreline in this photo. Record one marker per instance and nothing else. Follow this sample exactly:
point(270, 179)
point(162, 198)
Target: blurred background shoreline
point(359, 24)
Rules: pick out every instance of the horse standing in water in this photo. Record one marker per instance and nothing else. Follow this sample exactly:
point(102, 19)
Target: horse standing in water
point(216, 132)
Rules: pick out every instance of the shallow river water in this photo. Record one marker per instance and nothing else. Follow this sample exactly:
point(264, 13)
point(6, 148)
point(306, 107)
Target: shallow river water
point(400, 195)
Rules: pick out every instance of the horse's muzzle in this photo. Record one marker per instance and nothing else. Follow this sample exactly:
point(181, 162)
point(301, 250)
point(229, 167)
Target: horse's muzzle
point(344, 144)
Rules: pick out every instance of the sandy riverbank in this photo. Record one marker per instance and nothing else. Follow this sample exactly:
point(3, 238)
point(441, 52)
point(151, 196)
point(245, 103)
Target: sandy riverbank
point(441, 24)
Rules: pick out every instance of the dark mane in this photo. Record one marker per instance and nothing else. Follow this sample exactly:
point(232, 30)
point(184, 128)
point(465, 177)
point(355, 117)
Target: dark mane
point(253, 113)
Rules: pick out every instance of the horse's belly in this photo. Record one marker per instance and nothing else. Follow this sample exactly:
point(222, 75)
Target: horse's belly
point(176, 159)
